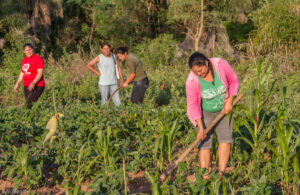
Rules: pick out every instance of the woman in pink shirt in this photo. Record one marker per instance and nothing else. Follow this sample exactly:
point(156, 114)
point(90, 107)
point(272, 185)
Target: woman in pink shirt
point(210, 88)
point(32, 68)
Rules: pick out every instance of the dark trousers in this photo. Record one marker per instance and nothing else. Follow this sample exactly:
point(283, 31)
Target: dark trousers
point(139, 89)
point(33, 95)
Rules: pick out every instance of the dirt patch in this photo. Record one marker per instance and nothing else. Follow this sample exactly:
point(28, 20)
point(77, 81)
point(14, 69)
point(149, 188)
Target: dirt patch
point(140, 185)
point(6, 187)
point(137, 184)
point(85, 188)
point(133, 176)
point(192, 178)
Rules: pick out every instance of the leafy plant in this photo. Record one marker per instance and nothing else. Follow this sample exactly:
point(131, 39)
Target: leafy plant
point(104, 148)
point(285, 145)
point(163, 145)
point(156, 187)
point(24, 169)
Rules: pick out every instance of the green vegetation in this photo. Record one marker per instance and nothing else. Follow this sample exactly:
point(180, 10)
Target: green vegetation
point(91, 141)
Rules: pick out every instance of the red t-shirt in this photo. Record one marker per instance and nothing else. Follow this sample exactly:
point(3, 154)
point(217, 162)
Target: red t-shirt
point(29, 67)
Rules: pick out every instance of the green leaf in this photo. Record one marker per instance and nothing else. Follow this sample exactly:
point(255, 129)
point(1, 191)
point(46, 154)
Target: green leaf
point(148, 176)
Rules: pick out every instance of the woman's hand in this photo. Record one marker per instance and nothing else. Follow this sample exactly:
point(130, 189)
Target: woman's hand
point(31, 86)
point(121, 83)
point(125, 84)
point(36, 79)
point(227, 108)
point(92, 63)
point(129, 79)
point(20, 78)
point(200, 129)
point(201, 134)
point(16, 87)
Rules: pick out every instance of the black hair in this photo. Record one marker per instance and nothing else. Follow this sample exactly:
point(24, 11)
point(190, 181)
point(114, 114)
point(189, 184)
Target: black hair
point(104, 43)
point(199, 59)
point(122, 50)
point(28, 45)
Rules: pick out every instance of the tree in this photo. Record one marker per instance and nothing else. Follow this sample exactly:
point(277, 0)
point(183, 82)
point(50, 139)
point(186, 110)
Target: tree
point(187, 16)
point(40, 16)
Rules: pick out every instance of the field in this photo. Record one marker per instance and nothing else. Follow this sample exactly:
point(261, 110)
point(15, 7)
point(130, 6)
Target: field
point(108, 150)
point(93, 142)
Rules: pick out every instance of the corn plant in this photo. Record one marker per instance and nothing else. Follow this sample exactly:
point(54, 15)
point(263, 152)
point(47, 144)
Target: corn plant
point(22, 169)
point(164, 143)
point(253, 117)
point(104, 148)
point(156, 187)
point(285, 146)
point(84, 163)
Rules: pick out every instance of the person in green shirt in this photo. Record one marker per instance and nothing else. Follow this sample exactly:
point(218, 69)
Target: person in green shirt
point(210, 89)
point(136, 74)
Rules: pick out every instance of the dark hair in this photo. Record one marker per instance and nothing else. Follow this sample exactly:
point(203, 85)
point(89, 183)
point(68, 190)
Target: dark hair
point(199, 59)
point(122, 50)
point(103, 44)
point(28, 45)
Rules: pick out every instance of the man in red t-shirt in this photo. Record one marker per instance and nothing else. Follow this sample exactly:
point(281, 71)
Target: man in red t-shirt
point(32, 68)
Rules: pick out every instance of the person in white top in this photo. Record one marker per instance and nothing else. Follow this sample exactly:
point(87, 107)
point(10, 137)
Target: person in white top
point(109, 73)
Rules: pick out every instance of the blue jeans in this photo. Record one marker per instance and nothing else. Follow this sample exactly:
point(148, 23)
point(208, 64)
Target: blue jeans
point(106, 90)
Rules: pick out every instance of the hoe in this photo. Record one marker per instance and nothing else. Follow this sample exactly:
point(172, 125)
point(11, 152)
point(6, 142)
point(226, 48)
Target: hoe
point(196, 142)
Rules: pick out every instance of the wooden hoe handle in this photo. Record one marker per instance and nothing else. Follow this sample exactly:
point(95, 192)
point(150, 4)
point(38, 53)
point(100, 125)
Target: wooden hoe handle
point(185, 153)
point(111, 96)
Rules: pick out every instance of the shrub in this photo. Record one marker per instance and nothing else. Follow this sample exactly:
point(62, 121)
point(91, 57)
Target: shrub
point(157, 52)
point(277, 25)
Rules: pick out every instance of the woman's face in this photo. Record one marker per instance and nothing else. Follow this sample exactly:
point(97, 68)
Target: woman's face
point(201, 71)
point(28, 51)
point(105, 50)
point(122, 57)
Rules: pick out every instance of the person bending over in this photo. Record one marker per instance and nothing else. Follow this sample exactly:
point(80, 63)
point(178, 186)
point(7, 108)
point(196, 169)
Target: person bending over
point(210, 88)
point(137, 74)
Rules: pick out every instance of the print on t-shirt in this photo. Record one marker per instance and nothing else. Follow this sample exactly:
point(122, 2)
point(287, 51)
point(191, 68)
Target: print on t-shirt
point(30, 67)
point(214, 93)
point(25, 68)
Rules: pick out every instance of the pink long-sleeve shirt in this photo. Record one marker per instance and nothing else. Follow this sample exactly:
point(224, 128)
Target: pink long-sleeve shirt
point(193, 88)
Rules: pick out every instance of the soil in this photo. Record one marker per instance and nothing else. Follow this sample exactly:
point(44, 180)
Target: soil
point(133, 176)
point(192, 178)
point(140, 185)
point(137, 184)
point(7, 187)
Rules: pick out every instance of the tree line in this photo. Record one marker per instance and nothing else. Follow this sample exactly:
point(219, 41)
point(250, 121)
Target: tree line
point(58, 26)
